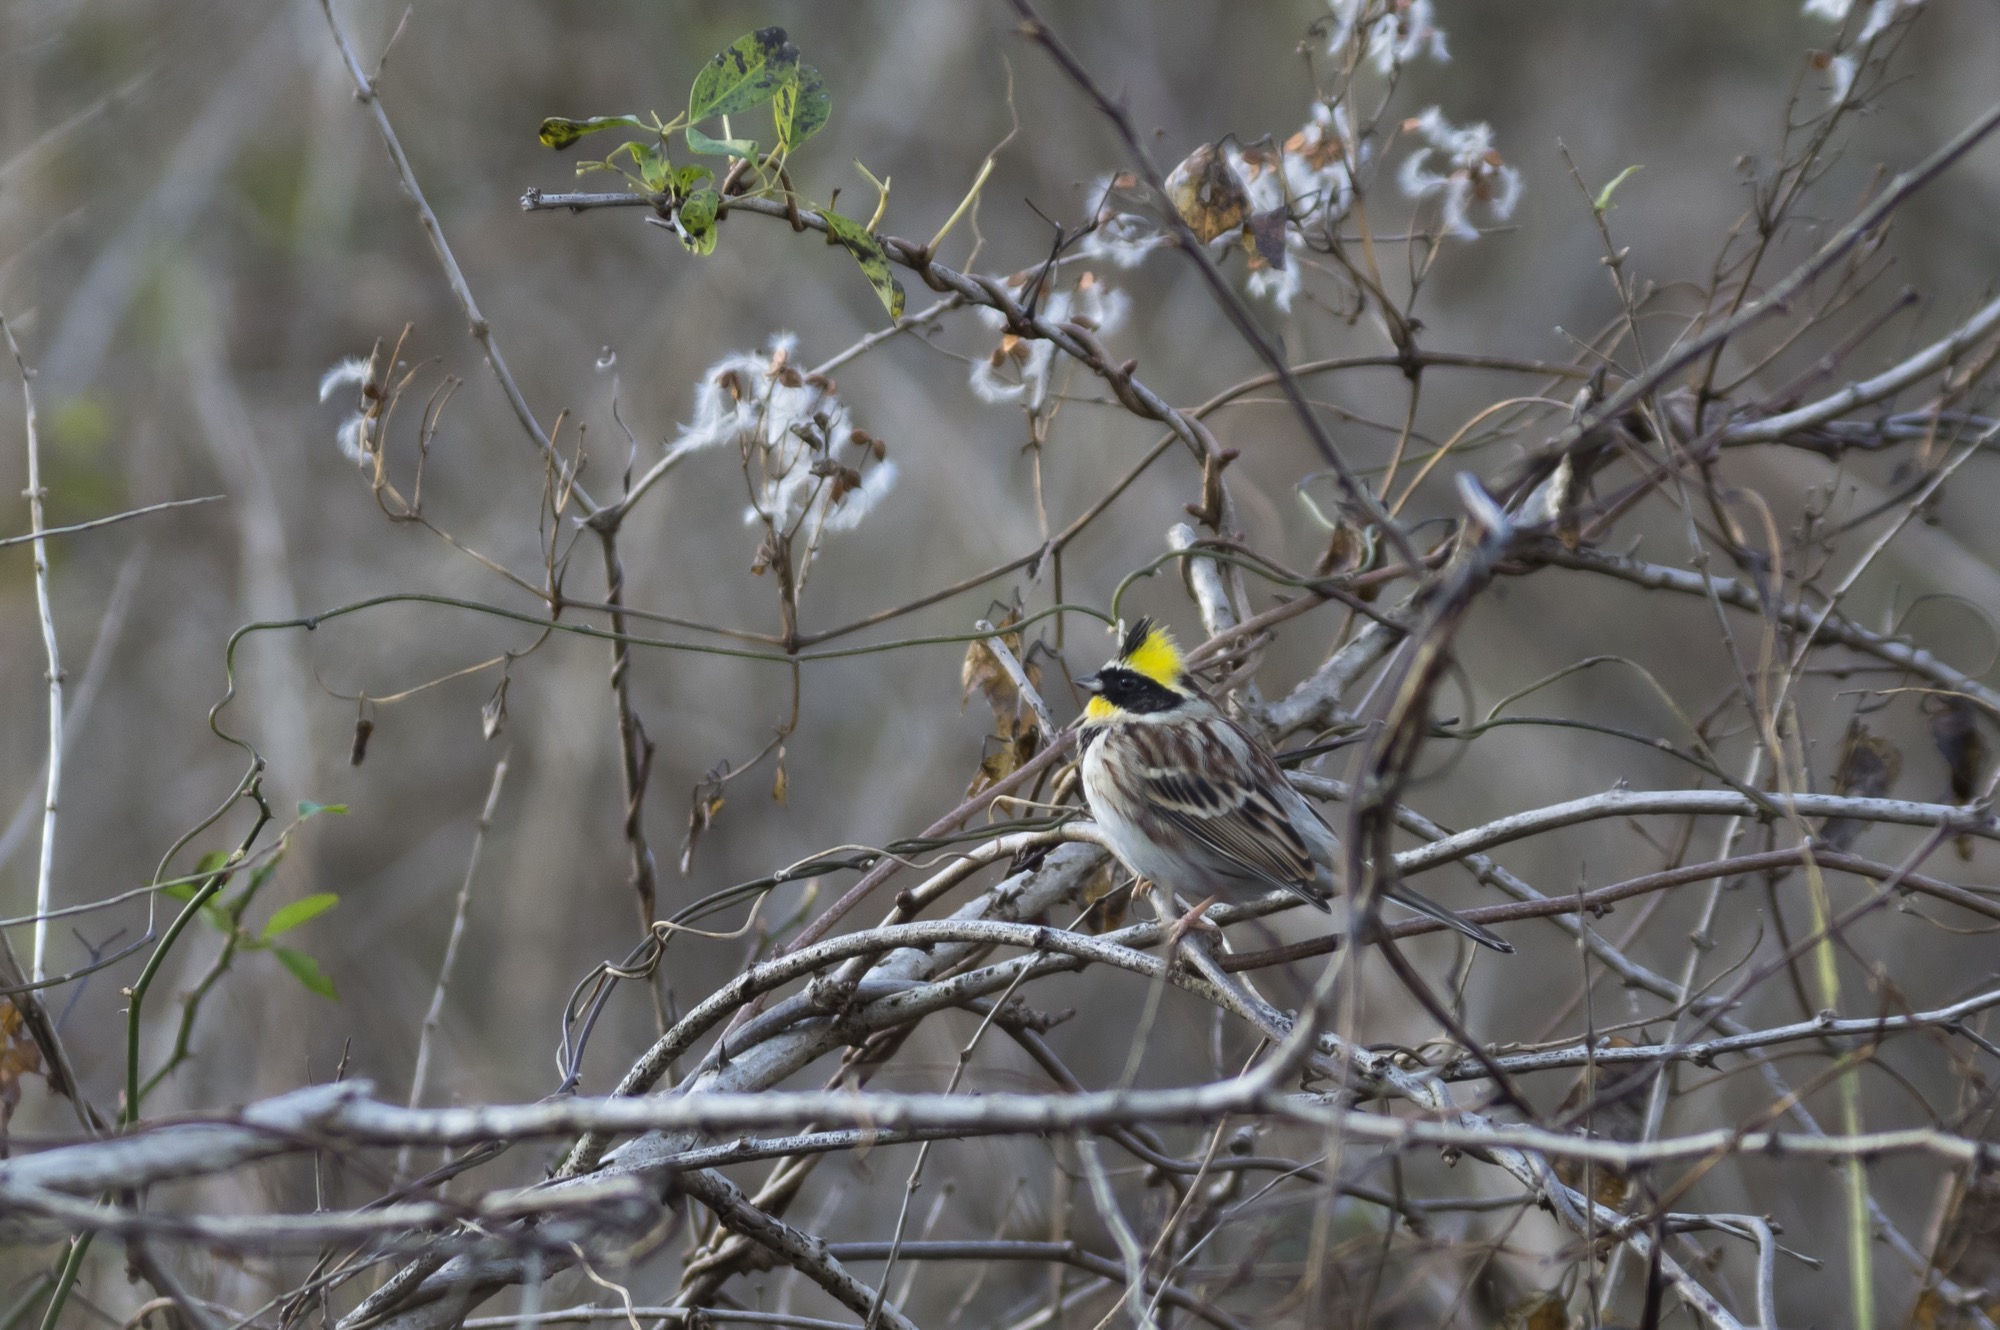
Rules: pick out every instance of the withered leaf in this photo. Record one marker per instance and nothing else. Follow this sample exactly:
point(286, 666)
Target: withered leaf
point(1867, 769)
point(1015, 738)
point(493, 716)
point(1267, 232)
point(1005, 759)
point(1108, 905)
point(1538, 1311)
point(1955, 731)
point(1206, 191)
point(702, 810)
point(983, 671)
point(18, 1057)
point(364, 730)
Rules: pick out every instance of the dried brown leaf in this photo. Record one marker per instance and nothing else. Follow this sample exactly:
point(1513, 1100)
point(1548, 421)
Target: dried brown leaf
point(1108, 905)
point(493, 716)
point(364, 730)
point(19, 1057)
point(1267, 233)
point(1868, 767)
point(1206, 191)
point(703, 808)
point(1955, 731)
point(1538, 1311)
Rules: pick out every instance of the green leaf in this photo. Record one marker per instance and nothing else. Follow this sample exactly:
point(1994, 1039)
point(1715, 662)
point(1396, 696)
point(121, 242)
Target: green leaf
point(180, 891)
point(306, 970)
point(748, 74)
point(801, 108)
point(697, 219)
point(1602, 202)
point(299, 911)
point(708, 147)
point(212, 862)
point(867, 251)
point(560, 132)
point(307, 808)
point(655, 170)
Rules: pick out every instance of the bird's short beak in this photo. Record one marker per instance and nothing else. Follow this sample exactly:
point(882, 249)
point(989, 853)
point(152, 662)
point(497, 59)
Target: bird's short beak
point(1089, 684)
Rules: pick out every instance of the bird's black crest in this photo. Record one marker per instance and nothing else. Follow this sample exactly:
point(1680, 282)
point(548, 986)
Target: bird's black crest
point(1135, 636)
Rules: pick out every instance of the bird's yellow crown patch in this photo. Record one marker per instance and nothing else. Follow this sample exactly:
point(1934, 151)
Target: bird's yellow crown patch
point(1150, 650)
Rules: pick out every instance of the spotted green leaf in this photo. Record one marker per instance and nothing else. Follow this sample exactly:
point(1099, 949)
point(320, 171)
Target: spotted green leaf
point(748, 73)
point(697, 219)
point(560, 132)
point(867, 251)
point(801, 107)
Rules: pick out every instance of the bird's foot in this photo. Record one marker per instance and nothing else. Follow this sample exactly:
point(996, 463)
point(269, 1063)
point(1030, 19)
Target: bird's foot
point(1197, 918)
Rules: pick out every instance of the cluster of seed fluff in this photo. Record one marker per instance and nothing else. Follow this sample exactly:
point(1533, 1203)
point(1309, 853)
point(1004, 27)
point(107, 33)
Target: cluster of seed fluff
point(1844, 65)
point(356, 435)
point(1295, 194)
point(1018, 368)
point(810, 469)
point(1391, 34)
point(1306, 184)
point(1469, 172)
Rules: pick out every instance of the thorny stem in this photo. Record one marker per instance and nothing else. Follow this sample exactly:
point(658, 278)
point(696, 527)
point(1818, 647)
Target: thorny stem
point(45, 863)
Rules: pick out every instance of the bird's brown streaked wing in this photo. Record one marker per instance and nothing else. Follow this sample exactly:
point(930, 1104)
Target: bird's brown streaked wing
point(1220, 801)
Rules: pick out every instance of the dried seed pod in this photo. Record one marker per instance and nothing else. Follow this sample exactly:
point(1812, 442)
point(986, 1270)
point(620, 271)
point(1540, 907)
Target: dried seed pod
point(364, 730)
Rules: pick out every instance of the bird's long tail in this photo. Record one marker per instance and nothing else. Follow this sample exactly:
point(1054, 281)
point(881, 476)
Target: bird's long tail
point(1485, 937)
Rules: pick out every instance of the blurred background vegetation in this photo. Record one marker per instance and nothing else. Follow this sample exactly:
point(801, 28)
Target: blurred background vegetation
point(197, 219)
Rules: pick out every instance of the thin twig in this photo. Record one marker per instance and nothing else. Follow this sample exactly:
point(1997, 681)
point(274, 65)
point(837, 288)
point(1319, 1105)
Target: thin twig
point(112, 520)
point(420, 1076)
point(366, 93)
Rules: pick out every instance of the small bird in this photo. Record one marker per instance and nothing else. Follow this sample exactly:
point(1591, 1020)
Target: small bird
point(1190, 800)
